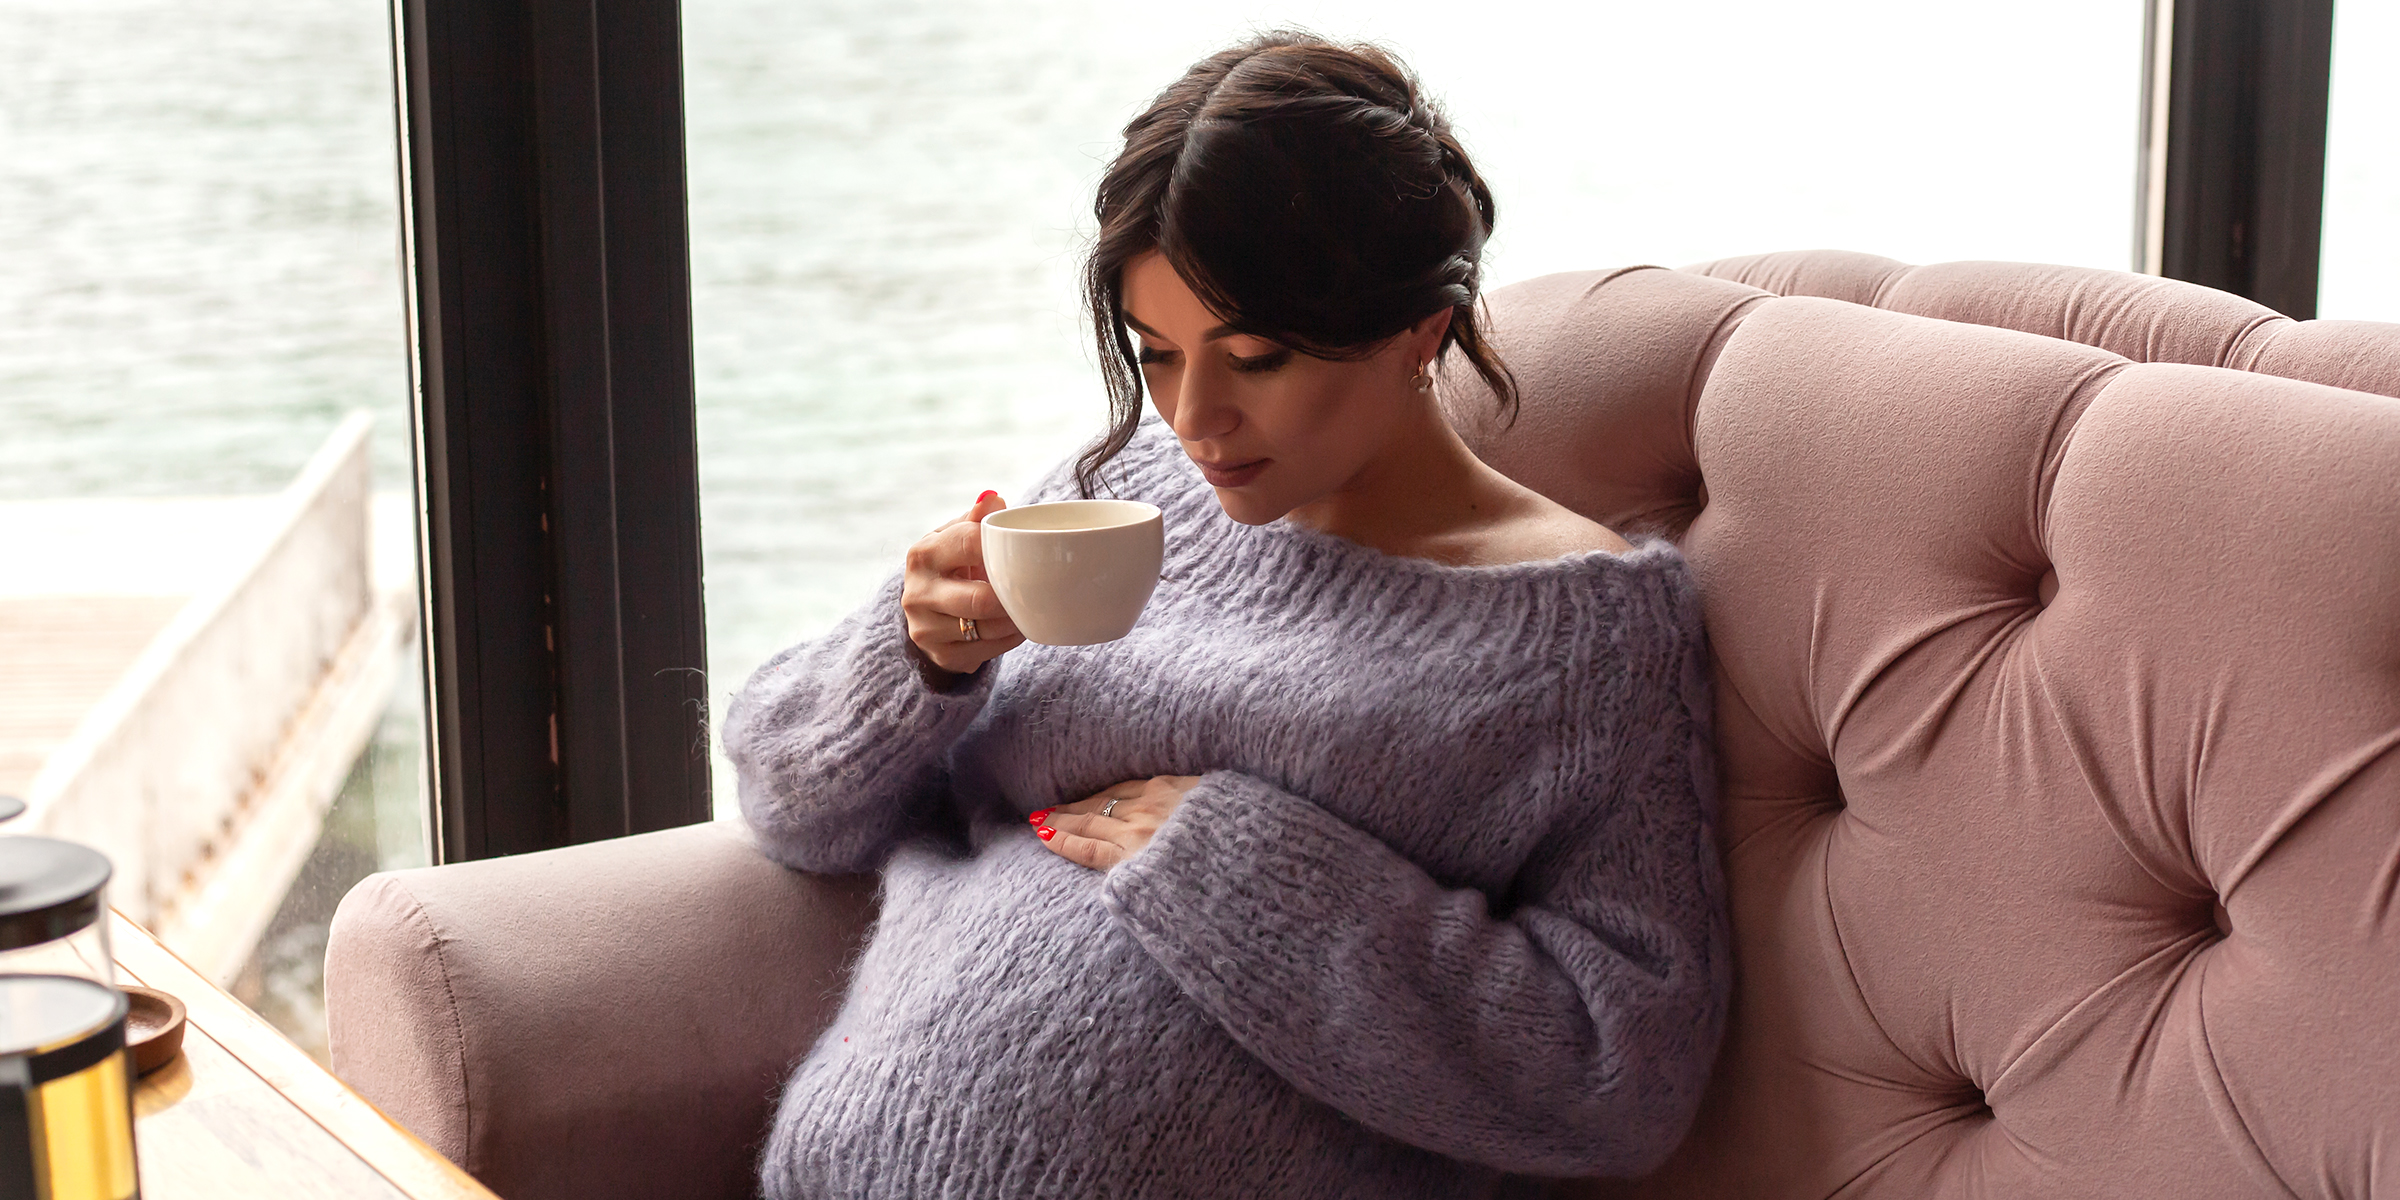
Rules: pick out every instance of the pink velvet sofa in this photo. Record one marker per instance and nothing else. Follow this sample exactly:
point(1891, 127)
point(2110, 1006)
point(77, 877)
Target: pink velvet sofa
point(2057, 624)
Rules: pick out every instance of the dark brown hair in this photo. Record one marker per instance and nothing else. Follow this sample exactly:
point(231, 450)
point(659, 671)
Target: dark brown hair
point(1311, 195)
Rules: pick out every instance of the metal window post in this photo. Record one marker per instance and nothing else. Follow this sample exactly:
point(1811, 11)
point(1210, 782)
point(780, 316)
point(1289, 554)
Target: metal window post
point(2232, 174)
point(542, 188)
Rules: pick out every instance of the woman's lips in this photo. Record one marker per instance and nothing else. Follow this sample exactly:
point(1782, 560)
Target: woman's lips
point(1231, 475)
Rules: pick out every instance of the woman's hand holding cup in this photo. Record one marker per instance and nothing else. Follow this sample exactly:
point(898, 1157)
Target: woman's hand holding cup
point(954, 618)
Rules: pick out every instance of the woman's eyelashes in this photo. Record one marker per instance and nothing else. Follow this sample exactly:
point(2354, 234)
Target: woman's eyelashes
point(1261, 363)
point(1255, 364)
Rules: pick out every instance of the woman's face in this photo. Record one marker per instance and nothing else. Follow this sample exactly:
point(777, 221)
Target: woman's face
point(1272, 429)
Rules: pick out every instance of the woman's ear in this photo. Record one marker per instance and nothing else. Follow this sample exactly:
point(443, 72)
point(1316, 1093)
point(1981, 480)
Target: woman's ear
point(1425, 337)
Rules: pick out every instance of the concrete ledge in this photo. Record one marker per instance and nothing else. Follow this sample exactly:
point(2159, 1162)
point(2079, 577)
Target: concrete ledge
point(215, 754)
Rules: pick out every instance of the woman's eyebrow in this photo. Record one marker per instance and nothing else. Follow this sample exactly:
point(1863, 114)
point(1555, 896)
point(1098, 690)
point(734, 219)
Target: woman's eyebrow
point(1221, 331)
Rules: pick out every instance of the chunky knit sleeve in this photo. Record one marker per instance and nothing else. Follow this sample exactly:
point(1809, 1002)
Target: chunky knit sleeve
point(840, 748)
point(1570, 1034)
point(839, 745)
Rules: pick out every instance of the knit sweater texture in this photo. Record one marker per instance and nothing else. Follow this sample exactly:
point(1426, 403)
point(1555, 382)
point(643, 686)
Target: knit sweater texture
point(1442, 915)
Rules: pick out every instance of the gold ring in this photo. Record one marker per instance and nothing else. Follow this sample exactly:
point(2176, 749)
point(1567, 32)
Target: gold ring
point(967, 631)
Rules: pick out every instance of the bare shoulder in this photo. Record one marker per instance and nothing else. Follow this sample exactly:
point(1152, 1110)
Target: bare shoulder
point(1551, 529)
point(1536, 528)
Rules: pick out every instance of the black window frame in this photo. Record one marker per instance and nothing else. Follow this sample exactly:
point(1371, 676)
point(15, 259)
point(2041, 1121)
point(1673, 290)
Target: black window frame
point(2232, 166)
point(544, 239)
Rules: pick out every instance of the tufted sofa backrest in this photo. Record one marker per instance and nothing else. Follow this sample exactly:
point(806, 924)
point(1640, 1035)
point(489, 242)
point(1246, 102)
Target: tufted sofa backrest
point(2142, 317)
point(2059, 708)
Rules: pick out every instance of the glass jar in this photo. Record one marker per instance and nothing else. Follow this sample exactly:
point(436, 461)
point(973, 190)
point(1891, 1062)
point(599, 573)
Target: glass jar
point(52, 918)
point(66, 1080)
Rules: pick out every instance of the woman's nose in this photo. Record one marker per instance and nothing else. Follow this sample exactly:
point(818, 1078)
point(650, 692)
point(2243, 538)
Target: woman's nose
point(1202, 409)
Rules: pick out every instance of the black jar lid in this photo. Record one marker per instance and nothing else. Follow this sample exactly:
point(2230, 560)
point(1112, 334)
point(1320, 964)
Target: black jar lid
point(53, 1018)
point(48, 889)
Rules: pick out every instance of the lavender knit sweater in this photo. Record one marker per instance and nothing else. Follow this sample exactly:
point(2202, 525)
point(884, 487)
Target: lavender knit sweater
point(1443, 911)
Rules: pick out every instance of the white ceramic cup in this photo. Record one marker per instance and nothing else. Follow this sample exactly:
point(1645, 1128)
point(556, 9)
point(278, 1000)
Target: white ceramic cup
point(1076, 572)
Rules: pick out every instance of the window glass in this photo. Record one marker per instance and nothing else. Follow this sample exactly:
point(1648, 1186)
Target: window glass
point(207, 616)
point(2360, 274)
point(889, 197)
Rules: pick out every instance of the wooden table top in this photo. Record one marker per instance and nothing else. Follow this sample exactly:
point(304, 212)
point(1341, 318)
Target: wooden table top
point(245, 1113)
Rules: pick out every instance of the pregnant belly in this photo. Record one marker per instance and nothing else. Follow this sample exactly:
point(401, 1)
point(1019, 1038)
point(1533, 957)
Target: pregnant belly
point(1004, 1037)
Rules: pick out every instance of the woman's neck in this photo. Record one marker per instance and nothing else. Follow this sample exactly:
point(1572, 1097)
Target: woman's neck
point(1425, 496)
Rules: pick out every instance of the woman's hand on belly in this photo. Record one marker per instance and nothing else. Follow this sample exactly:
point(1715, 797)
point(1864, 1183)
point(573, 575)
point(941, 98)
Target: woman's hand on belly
point(1114, 825)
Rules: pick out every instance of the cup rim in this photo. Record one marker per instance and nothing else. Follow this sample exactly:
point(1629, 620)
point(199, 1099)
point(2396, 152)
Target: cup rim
point(1143, 513)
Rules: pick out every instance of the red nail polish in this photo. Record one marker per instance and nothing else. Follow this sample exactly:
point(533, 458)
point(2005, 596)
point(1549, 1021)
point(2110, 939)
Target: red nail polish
point(1046, 832)
point(1039, 817)
point(987, 494)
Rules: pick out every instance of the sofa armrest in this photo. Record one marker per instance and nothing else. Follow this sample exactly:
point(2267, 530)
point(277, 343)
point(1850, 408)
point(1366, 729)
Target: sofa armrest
point(611, 1019)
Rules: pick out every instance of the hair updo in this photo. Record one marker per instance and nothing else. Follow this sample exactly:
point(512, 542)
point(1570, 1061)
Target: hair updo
point(1311, 195)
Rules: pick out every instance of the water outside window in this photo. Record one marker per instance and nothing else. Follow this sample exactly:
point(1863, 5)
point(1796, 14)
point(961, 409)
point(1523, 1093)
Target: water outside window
point(888, 200)
point(206, 571)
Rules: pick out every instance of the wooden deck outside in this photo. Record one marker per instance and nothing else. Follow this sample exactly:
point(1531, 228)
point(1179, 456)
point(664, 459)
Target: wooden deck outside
point(58, 656)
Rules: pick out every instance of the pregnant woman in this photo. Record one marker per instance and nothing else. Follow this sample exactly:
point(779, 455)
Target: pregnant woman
point(1376, 861)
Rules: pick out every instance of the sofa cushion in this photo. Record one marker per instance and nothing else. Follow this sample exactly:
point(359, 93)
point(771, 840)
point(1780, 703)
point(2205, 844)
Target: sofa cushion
point(2059, 702)
point(2142, 317)
point(610, 1019)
